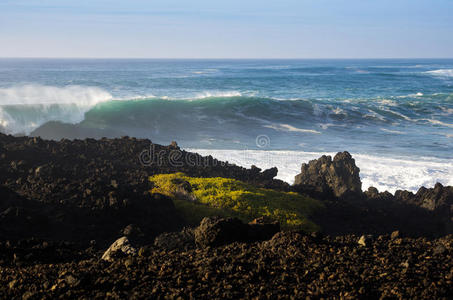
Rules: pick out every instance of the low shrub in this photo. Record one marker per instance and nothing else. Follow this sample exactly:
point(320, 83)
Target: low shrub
point(196, 198)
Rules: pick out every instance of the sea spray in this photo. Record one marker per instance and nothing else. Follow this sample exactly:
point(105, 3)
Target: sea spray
point(25, 108)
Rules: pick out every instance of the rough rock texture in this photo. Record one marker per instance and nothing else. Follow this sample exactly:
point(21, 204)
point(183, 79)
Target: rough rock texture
point(85, 190)
point(184, 239)
point(63, 203)
point(437, 198)
point(218, 231)
point(289, 266)
point(121, 246)
point(429, 212)
point(340, 175)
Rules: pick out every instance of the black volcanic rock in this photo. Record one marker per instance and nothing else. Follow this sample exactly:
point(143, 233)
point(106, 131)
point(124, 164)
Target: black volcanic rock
point(340, 175)
point(91, 189)
point(289, 266)
point(217, 231)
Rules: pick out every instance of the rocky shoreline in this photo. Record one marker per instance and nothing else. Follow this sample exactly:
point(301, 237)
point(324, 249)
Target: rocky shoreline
point(64, 203)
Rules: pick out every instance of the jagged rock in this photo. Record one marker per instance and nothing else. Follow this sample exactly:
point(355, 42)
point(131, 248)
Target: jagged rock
point(340, 175)
point(269, 174)
point(217, 231)
point(120, 246)
point(365, 240)
point(372, 192)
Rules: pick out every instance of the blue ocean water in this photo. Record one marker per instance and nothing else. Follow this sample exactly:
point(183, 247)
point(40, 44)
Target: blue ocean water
point(385, 108)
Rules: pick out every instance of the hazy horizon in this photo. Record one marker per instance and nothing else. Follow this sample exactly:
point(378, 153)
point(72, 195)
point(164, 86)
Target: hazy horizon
point(203, 29)
point(232, 58)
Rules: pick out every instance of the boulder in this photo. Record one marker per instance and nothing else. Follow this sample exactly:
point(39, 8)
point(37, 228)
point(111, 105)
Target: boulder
point(121, 246)
point(340, 175)
point(217, 231)
point(176, 240)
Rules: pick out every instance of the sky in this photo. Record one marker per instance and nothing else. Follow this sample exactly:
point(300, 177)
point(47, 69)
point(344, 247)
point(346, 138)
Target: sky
point(227, 29)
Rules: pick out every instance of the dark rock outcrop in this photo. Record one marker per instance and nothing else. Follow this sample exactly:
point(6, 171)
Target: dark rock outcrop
point(339, 176)
point(85, 190)
point(217, 231)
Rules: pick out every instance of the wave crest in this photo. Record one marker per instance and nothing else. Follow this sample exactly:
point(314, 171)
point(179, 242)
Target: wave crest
point(25, 108)
point(442, 72)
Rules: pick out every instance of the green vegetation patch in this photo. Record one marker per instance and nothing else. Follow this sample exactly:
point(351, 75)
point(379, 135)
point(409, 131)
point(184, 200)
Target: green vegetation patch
point(196, 198)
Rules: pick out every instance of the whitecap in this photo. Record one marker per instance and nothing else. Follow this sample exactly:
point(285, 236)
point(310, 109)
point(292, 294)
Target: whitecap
point(441, 72)
point(437, 122)
point(287, 127)
point(25, 108)
point(217, 94)
point(388, 102)
point(391, 131)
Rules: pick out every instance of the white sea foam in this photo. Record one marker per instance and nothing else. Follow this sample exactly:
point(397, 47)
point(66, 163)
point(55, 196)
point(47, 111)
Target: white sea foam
point(217, 94)
point(40, 94)
point(441, 72)
point(374, 115)
point(287, 127)
point(418, 94)
point(397, 113)
point(24, 108)
point(338, 111)
point(437, 122)
point(392, 131)
point(389, 102)
point(384, 173)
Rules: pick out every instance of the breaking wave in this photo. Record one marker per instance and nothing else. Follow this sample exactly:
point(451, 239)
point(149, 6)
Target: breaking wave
point(441, 72)
point(25, 108)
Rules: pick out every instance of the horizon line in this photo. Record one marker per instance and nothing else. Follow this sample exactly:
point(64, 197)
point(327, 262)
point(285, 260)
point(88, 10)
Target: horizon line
point(221, 58)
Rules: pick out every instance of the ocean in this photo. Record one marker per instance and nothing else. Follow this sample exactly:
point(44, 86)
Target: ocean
point(395, 116)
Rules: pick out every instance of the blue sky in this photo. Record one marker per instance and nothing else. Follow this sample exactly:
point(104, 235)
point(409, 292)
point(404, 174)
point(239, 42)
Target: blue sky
point(227, 29)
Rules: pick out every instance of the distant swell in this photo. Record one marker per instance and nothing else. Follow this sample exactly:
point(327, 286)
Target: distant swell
point(229, 119)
